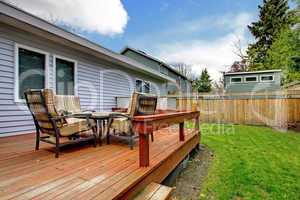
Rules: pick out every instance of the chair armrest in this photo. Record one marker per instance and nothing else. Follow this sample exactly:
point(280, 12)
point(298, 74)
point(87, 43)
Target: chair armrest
point(116, 115)
point(64, 112)
point(85, 116)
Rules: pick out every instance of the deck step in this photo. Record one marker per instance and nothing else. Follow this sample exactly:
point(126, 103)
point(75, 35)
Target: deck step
point(154, 191)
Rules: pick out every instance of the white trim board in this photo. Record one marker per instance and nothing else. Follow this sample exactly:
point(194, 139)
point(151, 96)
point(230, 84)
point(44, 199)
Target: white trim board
point(16, 69)
point(75, 72)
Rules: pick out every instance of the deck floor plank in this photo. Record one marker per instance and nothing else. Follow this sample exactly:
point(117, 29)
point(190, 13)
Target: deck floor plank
point(85, 172)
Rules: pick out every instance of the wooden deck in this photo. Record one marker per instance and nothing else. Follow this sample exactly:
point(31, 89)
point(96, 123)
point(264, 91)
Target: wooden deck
point(105, 172)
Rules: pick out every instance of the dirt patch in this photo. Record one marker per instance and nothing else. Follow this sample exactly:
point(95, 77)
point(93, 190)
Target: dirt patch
point(189, 182)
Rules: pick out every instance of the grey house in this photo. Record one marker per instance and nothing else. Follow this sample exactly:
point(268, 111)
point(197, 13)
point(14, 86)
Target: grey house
point(255, 81)
point(182, 83)
point(37, 54)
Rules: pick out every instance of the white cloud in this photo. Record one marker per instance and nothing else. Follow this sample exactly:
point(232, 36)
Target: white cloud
point(214, 54)
point(102, 16)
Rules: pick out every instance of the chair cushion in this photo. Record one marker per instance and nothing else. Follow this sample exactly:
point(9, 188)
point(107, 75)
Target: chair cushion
point(68, 103)
point(74, 120)
point(74, 126)
point(121, 125)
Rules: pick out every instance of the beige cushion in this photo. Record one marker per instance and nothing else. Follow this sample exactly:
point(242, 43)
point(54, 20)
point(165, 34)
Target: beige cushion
point(74, 126)
point(67, 103)
point(121, 125)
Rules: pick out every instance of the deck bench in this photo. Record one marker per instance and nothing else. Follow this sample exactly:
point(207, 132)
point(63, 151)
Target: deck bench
point(154, 191)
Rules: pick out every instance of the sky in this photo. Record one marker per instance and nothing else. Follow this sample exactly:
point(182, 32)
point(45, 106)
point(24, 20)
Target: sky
point(200, 33)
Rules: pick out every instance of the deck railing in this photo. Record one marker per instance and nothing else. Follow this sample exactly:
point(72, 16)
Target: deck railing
point(145, 125)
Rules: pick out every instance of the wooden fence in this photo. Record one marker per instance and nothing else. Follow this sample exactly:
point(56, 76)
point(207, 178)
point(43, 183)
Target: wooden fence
point(276, 110)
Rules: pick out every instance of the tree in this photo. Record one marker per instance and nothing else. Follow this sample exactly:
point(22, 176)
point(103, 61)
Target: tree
point(285, 51)
point(203, 84)
point(184, 69)
point(219, 85)
point(238, 50)
point(296, 15)
point(273, 17)
point(239, 66)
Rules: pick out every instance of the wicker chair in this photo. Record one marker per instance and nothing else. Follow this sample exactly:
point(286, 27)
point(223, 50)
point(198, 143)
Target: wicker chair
point(69, 104)
point(120, 124)
point(55, 128)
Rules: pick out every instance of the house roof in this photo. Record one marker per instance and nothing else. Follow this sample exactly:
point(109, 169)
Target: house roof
point(123, 51)
point(21, 19)
point(252, 72)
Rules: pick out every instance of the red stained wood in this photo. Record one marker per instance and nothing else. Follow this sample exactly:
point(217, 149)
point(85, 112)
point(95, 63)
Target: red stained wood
point(106, 172)
point(184, 115)
point(146, 124)
point(181, 131)
point(144, 150)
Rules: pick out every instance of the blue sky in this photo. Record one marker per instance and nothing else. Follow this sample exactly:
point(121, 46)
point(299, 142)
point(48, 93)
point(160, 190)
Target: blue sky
point(154, 18)
point(200, 33)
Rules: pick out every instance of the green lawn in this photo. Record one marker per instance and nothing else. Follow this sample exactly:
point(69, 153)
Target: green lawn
point(251, 163)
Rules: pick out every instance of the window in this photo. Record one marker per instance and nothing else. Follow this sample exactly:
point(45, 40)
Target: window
point(266, 78)
point(65, 76)
point(30, 70)
point(142, 86)
point(235, 79)
point(250, 79)
point(139, 85)
point(146, 87)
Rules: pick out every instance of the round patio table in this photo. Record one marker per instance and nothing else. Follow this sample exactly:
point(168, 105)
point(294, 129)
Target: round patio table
point(99, 117)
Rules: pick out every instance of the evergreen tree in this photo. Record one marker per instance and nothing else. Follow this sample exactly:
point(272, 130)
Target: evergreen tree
point(273, 17)
point(204, 83)
point(285, 50)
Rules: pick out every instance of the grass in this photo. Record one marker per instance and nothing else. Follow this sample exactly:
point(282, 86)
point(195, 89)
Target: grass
point(251, 163)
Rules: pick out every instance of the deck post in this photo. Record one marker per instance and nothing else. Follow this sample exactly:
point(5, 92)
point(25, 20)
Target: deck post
point(181, 131)
point(144, 149)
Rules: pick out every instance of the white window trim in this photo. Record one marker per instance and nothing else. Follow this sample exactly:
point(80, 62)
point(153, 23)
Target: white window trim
point(266, 80)
point(250, 81)
point(75, 72)
point(143, 83)
point(16, 75)
point(236, 82)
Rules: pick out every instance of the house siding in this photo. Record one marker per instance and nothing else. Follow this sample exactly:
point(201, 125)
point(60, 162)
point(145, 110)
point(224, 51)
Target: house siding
point(96, 92)
point(171, 86)
point(147, 62)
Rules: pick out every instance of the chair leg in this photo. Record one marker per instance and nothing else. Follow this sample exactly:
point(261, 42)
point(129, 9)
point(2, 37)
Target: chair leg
point(95, 140)
point(57, 151)
point(37, 142)
point(152, 137)
point(131, 142)
point(57, 146)
point(107, 137)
